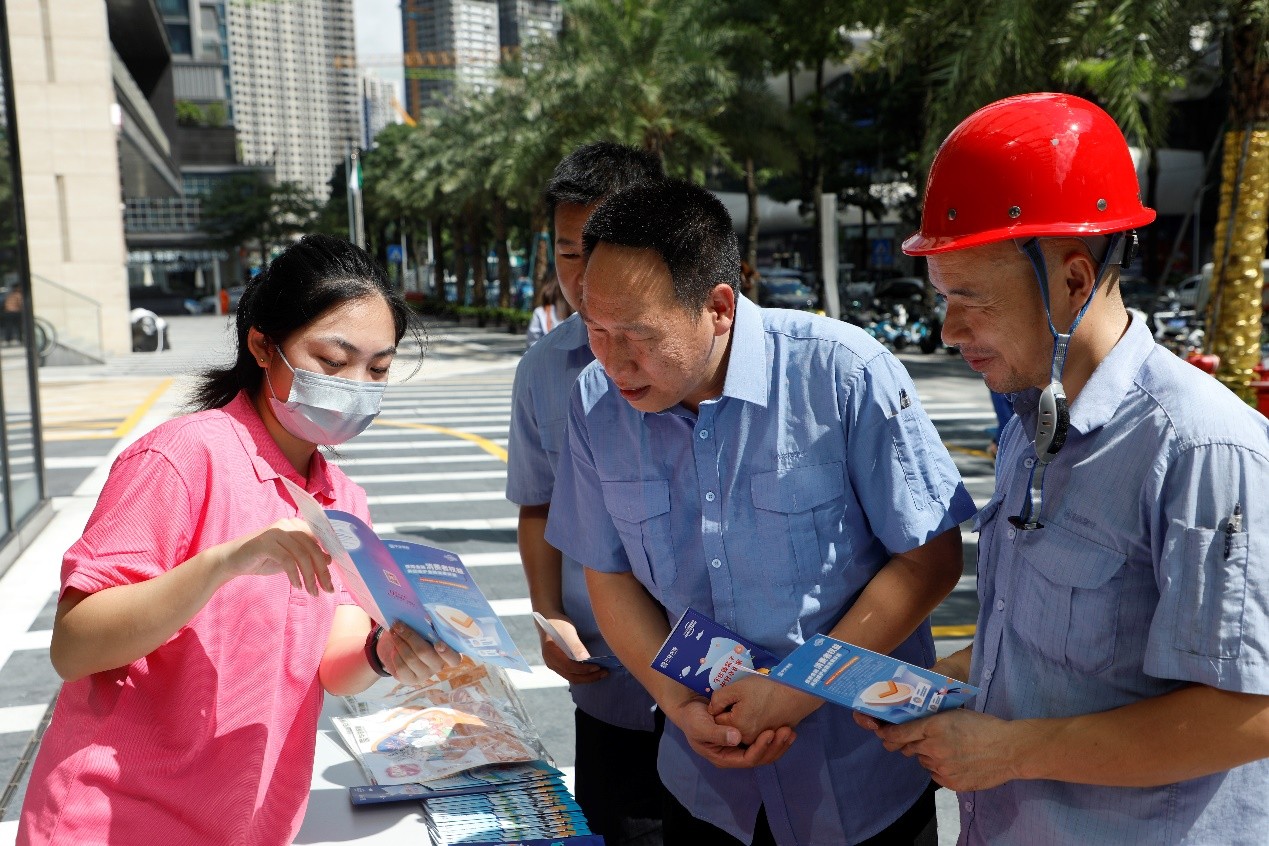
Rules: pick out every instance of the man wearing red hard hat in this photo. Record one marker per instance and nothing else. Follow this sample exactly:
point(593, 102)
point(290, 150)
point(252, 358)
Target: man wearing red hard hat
point(1122, 648)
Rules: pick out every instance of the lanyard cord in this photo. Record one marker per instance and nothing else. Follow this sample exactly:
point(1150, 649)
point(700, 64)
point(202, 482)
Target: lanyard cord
point(1053, 416)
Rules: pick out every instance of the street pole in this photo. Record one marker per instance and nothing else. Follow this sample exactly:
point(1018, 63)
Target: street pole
point(358, 211)
point(352, 212)
point(405, 256)
point(828, 254)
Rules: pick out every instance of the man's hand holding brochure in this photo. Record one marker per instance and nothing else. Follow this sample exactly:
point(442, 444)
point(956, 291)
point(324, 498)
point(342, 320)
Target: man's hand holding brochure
point(426, 588)
point(706, 656)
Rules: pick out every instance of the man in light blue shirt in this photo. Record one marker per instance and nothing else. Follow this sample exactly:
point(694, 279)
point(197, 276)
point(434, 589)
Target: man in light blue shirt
point(614, 717)
point(775, 471)
point(1122, 649)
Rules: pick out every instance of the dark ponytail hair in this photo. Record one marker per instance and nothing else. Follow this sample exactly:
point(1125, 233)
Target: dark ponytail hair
point(310, 277)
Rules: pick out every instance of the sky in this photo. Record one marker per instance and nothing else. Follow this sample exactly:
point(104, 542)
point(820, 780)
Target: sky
point(378, 24)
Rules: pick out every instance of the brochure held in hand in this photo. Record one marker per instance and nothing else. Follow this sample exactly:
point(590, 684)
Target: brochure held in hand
point(608, 662)
point(426, 588)
point(706, 656)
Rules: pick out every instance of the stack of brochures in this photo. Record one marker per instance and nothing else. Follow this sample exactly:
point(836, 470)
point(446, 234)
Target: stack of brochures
point(481, 780)
point(538, 807)
point(706, 656)
point(464, 717)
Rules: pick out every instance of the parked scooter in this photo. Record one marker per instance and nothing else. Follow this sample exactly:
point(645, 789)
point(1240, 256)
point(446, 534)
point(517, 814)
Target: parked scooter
point(1178, 329)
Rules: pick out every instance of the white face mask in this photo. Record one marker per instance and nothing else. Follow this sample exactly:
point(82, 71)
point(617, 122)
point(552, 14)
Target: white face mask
point(324, 409)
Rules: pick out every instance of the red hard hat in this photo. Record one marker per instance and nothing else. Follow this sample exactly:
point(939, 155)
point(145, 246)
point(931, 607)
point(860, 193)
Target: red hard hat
point(1025, 166)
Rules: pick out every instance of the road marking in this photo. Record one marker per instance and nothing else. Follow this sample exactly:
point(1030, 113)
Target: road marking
point(132, 419)
point(355, 464)
point(461, 475)
point(977, 453)
point(74, 411)
point(484, 443)
point(411, 499)
point(954, 631)
point(491, 559)
point(415, 445)
point(511, 607)
point(26, 718)
point(38, 639)
point(476, 525)
point(541, 677)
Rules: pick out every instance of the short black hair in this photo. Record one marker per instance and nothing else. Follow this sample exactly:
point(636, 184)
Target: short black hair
point(686, 225)
point(593, 171)
point(310, 277)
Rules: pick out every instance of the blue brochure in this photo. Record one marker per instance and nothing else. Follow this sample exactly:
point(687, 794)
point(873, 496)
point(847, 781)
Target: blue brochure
point(428, 589)
point(877, 685)
point(706, 656)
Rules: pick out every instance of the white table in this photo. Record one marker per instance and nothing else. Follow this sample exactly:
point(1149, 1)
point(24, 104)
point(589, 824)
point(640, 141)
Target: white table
point(331, 818)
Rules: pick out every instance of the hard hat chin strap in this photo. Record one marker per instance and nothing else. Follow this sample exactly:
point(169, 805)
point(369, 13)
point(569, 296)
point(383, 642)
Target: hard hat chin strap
point(1053, 414)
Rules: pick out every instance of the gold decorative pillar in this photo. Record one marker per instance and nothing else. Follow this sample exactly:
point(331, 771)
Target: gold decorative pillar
point(1234, 312)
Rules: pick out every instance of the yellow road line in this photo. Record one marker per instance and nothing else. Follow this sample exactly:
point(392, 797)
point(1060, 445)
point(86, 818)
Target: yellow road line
point(484, 443)
point(977, 453)
point(139, 412)
point(953, 631)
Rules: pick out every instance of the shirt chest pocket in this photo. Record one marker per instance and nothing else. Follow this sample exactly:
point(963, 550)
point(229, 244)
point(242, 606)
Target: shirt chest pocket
point(641, 515)
point(1068, 591)
point(799, 525)
point(552, 435)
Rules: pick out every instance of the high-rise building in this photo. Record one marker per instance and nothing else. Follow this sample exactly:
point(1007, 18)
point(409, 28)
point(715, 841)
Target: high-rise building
point(522, 22)
point(450, 46)
point(296, 95)
point(378, 106)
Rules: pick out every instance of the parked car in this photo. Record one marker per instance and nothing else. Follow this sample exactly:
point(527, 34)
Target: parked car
point(901, 288)
point(207, 305)
point(786, 292)
point(155, 299)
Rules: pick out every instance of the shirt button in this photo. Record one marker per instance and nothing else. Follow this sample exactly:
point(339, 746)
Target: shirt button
point(987, 674)
point(709, 496)
point(1030, 462)
point(704, 434)
point(1000, 605)
point(1013, 533)
point(716, 563)
point(969, 806)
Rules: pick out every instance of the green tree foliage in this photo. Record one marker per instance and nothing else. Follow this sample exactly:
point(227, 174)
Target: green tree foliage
point(248, 209)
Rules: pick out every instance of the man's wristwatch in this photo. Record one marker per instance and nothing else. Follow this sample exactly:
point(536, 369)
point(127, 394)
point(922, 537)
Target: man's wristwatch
point(372, 651)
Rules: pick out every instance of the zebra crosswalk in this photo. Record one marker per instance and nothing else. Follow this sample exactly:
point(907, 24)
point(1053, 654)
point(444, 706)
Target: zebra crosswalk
point(433, 467)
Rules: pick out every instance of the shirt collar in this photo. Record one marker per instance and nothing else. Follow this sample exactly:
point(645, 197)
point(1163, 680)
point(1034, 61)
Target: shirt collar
point(573, 333)
point(266, 455)
point(747, 372)
point(1106, 388)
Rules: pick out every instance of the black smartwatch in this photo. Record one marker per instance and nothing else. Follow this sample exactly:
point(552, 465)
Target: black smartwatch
point(372, 651)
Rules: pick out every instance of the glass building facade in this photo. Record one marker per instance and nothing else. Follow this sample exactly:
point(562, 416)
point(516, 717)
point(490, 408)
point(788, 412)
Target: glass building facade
point(21, 455)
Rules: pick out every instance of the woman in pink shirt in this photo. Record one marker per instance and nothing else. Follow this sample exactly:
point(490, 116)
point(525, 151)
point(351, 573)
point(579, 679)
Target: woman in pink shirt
point(199, 621)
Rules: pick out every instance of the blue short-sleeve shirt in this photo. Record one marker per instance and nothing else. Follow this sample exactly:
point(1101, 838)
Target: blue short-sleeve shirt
point(1132, 589)
point(539, 429)
point(769, 510)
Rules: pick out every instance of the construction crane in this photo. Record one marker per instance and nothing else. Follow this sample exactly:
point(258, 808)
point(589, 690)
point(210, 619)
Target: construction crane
point(379, 60)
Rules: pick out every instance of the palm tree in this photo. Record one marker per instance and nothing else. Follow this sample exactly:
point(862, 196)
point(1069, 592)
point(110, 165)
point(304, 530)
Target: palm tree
point(648, 73)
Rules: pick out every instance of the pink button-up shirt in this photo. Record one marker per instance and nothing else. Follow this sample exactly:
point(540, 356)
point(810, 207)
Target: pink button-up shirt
point(208, 739)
